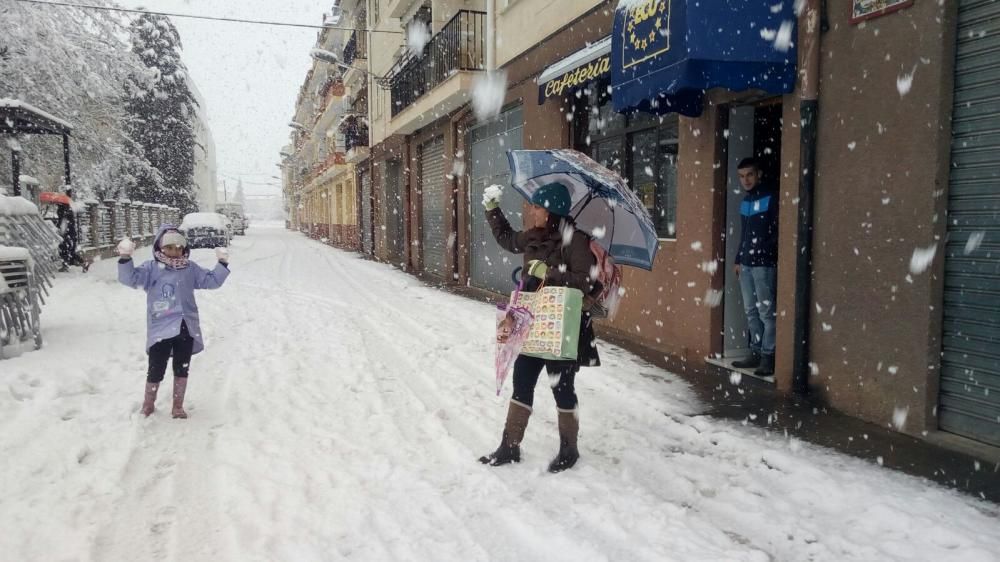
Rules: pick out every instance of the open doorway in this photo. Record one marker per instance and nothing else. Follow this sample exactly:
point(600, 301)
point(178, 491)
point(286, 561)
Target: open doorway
point(754, 131)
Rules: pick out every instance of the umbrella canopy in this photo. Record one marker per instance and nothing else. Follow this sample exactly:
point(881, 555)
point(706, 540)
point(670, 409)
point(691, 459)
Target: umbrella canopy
point(55, 198)
point(603, 204)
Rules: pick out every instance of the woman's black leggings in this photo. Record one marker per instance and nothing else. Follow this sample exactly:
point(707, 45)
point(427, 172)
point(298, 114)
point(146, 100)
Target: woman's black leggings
point(563, 373)
point(179, 346)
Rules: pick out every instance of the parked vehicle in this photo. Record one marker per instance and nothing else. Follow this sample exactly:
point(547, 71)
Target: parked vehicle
point(206, 230)
point(235, 212)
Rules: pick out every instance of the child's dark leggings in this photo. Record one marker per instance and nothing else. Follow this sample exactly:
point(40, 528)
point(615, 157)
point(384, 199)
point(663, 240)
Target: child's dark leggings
point(526, 371)
point(179, 346)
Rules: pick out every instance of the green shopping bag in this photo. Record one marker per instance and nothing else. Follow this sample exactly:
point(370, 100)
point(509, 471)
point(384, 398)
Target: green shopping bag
point(555, 333)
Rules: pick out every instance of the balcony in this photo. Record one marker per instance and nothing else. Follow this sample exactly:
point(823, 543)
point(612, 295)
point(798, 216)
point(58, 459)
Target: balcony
point(355, 139)
point(356, 48)
point(324, 170)
point(336, 107)
point(457, 50)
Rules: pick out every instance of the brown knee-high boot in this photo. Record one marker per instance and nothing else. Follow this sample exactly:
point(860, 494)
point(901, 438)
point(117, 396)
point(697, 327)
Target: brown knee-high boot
point(180, 387)
point(569, 428)
point(513, 432)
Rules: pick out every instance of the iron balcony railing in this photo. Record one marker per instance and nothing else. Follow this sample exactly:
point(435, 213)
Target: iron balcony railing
point(355, 135)
point(356, 47)
point(460, 45)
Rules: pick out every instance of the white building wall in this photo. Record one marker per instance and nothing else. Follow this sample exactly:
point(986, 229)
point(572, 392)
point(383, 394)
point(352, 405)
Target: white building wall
point(205, 169)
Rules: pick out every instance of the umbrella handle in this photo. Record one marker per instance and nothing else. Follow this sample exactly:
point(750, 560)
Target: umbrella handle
point(519, 285)
point(513, 275)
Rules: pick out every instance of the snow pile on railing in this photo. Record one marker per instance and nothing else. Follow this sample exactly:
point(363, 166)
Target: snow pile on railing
point(20, 302)
point(29, 256)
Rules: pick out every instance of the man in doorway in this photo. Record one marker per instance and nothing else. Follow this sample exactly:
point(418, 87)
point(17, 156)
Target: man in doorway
point(756, 265)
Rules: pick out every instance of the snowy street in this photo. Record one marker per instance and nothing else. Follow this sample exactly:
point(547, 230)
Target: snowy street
point(338, 411)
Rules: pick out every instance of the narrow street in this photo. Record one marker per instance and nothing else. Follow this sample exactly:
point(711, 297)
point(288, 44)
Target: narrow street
point(338, 411)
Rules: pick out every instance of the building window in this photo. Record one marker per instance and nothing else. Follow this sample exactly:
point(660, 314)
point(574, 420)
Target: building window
point(642, 148)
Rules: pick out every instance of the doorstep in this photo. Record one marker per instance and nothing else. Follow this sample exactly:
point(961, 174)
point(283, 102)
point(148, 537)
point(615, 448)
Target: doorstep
point(726, 365)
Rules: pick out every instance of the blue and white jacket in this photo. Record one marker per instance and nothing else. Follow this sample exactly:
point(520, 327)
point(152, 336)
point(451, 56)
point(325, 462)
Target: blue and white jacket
point(759, 228)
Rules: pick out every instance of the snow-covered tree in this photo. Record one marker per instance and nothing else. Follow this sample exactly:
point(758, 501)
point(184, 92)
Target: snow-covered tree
point(162, 109)
point(72, 62)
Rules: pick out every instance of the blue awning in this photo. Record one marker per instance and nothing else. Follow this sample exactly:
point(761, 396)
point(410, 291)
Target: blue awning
point(666, 53)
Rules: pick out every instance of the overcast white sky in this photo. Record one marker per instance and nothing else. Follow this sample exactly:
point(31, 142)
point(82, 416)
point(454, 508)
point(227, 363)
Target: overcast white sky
point(249, 76)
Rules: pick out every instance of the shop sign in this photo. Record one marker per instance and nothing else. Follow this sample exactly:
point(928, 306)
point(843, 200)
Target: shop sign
point(862, 10)
point(646, 31)
point(576, 78)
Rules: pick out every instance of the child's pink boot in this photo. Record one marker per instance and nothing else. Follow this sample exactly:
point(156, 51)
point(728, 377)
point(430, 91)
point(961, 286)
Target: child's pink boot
point(149, 400)
point(180, 386)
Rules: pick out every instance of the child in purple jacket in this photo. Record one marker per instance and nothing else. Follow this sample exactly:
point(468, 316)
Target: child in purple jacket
point(172, 324)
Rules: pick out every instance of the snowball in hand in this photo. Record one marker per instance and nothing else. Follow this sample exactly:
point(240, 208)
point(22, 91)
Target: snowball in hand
point(125, 247)
point(492, 193)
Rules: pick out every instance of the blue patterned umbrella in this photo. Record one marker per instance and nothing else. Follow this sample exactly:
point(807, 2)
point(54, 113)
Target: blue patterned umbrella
point(603, 204)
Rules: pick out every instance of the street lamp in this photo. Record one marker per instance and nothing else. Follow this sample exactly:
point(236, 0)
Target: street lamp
point(329, 57)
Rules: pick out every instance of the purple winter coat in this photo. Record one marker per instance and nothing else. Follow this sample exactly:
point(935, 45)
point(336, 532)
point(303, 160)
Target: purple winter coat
point(170, 293)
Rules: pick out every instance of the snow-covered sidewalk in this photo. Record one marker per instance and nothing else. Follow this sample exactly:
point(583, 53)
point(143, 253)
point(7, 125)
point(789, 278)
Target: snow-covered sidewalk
point(337, 413)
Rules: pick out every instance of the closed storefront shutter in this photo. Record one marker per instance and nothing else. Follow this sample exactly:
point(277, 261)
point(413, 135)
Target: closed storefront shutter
point(435, 223)
point(367, 241)
point(970, 365)
point(395, 235)
point(488, 142)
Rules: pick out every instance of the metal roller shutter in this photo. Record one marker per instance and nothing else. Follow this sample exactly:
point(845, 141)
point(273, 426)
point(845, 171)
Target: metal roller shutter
point(488, 143)
point(970, 363)
point(395, 235)
point(435, 222)
point(367, 241)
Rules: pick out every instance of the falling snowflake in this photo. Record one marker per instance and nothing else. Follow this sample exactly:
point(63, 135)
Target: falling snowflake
point(905, 81)
point(783, 41)
point(899, 415)
point(417, 36)
point(975, 239)
point(488, 93)
point(713, 298)
point(922, 258)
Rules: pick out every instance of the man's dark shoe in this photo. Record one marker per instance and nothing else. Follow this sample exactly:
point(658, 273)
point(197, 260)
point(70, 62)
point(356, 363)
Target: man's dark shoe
point(751, 362)
point(766, 368)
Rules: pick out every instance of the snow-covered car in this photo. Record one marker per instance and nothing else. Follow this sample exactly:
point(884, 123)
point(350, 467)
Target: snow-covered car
point(230, 228)
point(205, 230)
point(235, 212)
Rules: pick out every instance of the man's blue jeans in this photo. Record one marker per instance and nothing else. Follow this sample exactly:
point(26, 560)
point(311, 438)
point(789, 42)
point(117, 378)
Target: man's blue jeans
point(759, 288)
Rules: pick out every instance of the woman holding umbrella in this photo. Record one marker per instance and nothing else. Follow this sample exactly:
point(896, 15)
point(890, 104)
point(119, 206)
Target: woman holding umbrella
point(555, 253)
